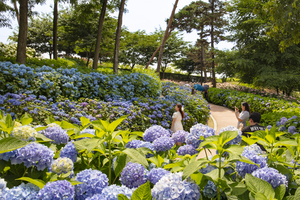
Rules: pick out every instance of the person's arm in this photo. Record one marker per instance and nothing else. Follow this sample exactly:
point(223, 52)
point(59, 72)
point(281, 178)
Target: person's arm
point(237, 113)
point(173, 120)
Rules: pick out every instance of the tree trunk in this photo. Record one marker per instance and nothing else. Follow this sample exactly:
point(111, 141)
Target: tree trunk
point(132, 66)
point(118, 35)
point(165, 37)
point(205, 74)
point(99, 35)
point(212, 45)
point(22, 39)
point(17, 11)
point(55, 16)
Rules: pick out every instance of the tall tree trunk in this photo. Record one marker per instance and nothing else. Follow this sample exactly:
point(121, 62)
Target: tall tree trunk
point(212, 44)
point(118, 35)
point(205, 75)
point(161, 52)
point(17, 11)
point(55, 15)
point(22, 39)
point(99, 35)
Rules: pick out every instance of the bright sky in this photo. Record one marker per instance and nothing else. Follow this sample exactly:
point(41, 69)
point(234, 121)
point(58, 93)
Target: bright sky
point(142, 15)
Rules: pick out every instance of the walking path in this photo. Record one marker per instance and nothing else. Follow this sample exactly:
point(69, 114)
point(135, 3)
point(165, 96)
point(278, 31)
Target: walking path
point(222, 117)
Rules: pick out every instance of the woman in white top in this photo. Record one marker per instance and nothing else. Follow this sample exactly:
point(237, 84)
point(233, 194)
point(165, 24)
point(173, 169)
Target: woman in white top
point(177, 117)
point(243, 116)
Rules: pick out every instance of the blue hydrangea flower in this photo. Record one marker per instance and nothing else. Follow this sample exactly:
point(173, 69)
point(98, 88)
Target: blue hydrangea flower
point(57, 134)
point(62, 165)
point(210, 190)
point(292, 129)
point(133, 175)
point(207, 169)
point(156, 174)
point(93, 182)
point(24, 191)
point(269, 127)
point(237, 139)
point(244, 168)
point(254, 147)
point(163, 144)
point(111, 193)
point(133, 144)
point(146, 145)
point(179, 136)
point(34, 154)
point(172, 187)
point(186, 149)
point(2, 184)
point(26, 133)
point(57, 190)
point(283, 120)
point(69, 151)
point(155, 132)
point(7, 155)
point(198, 130)
point(272, 176)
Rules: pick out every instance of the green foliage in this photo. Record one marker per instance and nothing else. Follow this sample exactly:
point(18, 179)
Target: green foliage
point(10, 50)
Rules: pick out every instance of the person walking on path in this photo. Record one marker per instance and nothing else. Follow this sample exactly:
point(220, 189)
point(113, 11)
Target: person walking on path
point(177, 117)
point(243, 116)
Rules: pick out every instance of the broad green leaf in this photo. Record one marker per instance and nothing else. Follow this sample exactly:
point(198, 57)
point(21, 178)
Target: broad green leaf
point(11, 143)
point(297, 194)
point(256, 185)
point(105, 124)
point(235, 149)
point(98, 125)
point(36, 182)
point(105, 160)
point(84, 121)
point(137, 133)
point(238, 188)
point(119, 164)
point(99, 133)
point(122, 197)
point(249, 141)
point(172, 165)
point(270, 139)
point(87, 135)
point(222, 183)
point(49, 120)
point(88, 144)
point(41, 128)
point(142, 193)
point(74, 182)
point(112, 126)
point(67, 125)
point(42, 137)
point(154, 160)
point(280, 192)
point(227, 136)
point(192, 167)
point(136, 156)
point(260, 196)
point(197, 177)
point(286, 143)
point(26, 119)
point(116, 133)
point(160, 160)
point(214, 174)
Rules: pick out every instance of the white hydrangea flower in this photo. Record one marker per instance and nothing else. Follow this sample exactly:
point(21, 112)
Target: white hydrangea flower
point(25, 133)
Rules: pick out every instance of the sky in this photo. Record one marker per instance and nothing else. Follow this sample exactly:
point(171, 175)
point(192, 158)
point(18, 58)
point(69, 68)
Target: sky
point(145, 15)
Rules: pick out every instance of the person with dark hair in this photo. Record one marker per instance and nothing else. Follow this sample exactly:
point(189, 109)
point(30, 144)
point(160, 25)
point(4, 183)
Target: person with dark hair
point(254, 121)
point(244, 115)
point(177, 117)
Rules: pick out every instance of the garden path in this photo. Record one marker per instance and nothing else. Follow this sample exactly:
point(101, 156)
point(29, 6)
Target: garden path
point(222, 117)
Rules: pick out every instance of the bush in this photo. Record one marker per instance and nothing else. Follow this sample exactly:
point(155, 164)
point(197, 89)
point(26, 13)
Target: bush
point(10, 50)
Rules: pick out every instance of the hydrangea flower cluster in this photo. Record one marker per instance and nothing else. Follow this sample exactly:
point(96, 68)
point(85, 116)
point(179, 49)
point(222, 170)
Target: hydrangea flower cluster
point(292, 129)
point(155, 132)
point(272, 176)
point(111, 193)
point(133, 144)
point(198, 130)
point(237, 139)
point(7, 155)
point(179, 136)
point(23, 191)
point(34, 154)
point(146, 145)
point(134, 175)
point(245, 168)
point(57, 134)
point(254, 147)
point(210, 190)
point(164, 143)
point(186, 149)
point(2, 184)
point(69, 151)
point(156, 174)
point(93, 182)
point(62, 165)
point(96, 197)
point(57, 190)
point(207, 169)
point(26, 133)
point(172, 187)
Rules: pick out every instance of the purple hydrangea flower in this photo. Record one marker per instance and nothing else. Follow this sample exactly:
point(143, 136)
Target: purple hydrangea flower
point(237, 139)
point(7, 155)
point(210, 190)
point(207, 169)
point(163, 144)
point(155, 132)
point(179, 136)
point(283, 120)
point(34, 154)
point(269, 127)
point(146, 145)
point(57, 134)
point(23, 191)
point(69, 151)
point(93, 182)
point(156, 174)
point(254, 147)
point(171, 187)
point(2, 184)
point(292, 129)
point(57, 190)
point(245, 168)
point(96, 197)
point(186, 149)
point(133, 175)
point(272, 176)
point(111, 193)
point(133, 144)
point(196, 132)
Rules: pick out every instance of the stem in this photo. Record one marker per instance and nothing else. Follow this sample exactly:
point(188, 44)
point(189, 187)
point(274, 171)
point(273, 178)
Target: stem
point(205, 153)
point(220, 168)
point(293, 172)
point(109, 162)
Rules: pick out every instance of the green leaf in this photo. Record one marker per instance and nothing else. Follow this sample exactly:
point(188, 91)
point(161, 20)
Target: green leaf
point(227, 136)
point(105, 124)
point(197, 177)
point(280, 192)
point(87, 135)
point(256, 185)
point(297, 194)
point(260, 196)
point(36, 182)
point(49, 120)
point(67, 125)
point(142, 193)
point(74, 182)
point(119, 164)
point(136, 156)
point(235, 149)
point(11, 143)
point(41, 128)
point(98, 125)
point(122, 197)
point(154, 160)
point(286, 143)
point(112, 126)
point(192, 167)
point(88, 144)
point(214, 174)
point(42, 137)
point(84, 121)
point(238, 188)
point(138, 133)
point(26, 119)
point(172, 165)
